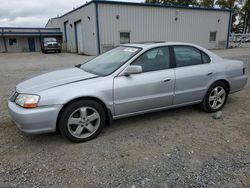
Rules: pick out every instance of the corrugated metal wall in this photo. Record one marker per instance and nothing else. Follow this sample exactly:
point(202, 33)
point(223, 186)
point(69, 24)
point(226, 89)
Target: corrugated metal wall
point(88, 25)
point(21, 45)
point(2, 49)
point(157, 24)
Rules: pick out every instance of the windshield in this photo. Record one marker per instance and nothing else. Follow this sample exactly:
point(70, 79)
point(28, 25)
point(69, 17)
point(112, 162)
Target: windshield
point(49, 39)
point(110, 61)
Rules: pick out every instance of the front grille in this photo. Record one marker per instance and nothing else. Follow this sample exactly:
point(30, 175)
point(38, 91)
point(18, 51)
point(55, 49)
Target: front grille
point(52, 45)
point(13, 97)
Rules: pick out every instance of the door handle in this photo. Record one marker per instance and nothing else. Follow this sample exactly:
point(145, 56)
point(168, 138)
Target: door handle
point(166, 80)
point(210, 73)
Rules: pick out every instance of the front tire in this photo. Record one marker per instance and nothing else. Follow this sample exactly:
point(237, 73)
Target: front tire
point(216, 97)
point(82, 120)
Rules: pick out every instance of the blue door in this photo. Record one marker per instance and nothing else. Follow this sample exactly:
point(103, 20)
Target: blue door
point(32, 46)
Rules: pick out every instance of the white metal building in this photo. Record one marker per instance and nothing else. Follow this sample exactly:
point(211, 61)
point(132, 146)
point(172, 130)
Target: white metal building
point(100, 25)
point(25, 39)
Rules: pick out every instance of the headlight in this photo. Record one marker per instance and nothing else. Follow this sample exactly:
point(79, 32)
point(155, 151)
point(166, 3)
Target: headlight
point(27, 101)
point(45, 44)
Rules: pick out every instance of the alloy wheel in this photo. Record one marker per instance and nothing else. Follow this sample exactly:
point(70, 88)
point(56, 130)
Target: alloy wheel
point(84, 122)
point(217, 97)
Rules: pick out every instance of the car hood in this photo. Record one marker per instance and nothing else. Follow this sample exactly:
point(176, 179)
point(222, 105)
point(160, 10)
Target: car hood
point(51, 42)
point(53, 79)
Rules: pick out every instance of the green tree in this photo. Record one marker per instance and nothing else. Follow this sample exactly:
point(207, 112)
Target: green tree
point(153, 1)
point(175, 2)
point(207, 3)
point(227, 3)
point(244, 23)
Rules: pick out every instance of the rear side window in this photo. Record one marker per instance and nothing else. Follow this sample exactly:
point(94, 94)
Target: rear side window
point(205, 58)
point(187, 56)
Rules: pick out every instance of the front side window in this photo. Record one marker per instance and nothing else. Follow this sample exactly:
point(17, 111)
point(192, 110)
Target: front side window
point(212, 37)
point(187, 56)
point(110, 61)
point(154, 59)
point(124, 37)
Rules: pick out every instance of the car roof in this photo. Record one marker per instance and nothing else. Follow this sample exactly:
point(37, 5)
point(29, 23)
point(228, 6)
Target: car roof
point(152, 44)
point(149, 45)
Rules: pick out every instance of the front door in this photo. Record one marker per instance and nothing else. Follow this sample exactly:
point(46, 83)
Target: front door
point(151, 89)
point(32, 46)
point(194, 71)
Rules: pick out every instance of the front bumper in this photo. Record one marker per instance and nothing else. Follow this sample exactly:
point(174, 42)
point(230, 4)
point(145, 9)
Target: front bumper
point(36, 120)
point(52, 48)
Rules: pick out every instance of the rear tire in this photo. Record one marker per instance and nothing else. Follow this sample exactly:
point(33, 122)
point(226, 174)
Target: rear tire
point(82, 120)
point(215, 98)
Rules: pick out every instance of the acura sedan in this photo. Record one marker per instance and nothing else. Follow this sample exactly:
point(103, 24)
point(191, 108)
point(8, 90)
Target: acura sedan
point(128, 80)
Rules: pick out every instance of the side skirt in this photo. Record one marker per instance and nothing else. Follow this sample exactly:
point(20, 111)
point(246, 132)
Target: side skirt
point(155, 110)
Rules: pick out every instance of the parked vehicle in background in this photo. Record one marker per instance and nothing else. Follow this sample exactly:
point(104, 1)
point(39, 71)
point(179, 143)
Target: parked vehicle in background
point(50, 44)
point(128, 80)
point(247, 40)
point(239, 40)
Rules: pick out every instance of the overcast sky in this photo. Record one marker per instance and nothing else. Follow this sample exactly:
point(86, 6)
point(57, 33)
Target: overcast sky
point(35, 13)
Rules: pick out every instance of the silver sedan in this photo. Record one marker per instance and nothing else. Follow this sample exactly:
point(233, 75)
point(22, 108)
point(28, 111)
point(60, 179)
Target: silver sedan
point(125, 81)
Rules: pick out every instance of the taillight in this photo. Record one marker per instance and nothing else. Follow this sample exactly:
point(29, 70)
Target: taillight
point(244, 70)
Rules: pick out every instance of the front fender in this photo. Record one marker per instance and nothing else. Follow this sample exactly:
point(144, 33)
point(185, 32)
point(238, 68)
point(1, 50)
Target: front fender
point(100, 88)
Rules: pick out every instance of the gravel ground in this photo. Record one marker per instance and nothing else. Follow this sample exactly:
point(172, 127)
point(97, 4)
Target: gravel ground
point(184, 147)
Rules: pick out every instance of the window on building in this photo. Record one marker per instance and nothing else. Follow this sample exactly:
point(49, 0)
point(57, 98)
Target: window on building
point(186, 56)
point(12, 42)
point(124, 37)
point(153, 60)
point(212, 36)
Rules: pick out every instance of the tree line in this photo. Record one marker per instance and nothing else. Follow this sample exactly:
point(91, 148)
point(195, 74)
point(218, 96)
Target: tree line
point(240, 10)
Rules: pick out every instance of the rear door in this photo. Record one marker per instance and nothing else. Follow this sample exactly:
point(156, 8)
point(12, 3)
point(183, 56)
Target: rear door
point(194, 70)
point(151, 89)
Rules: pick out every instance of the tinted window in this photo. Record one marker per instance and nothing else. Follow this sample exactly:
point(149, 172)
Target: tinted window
point(155, 59)
point(186, 56)
point(49, 39)
point(205, 58)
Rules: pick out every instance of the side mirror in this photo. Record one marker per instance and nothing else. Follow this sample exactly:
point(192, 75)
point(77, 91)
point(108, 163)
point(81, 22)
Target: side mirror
point(78, 65)
point(132, 69)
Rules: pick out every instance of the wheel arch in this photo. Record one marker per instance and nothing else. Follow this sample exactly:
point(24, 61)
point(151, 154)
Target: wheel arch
point(108, 113)
point(225, 82)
